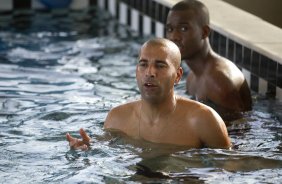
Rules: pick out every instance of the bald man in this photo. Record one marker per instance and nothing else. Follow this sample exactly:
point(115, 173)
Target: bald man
point(160, 116)
point(212, 79)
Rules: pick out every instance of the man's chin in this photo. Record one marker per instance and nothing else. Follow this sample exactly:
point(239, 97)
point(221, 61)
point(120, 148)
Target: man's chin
point(184, 57)
point(151, 98)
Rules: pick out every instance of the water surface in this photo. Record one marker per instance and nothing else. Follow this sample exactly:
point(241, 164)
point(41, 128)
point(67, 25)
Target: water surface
point(60, 71)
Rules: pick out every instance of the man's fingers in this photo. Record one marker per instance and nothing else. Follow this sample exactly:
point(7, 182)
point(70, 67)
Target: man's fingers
point(69, 137)
point(86, 139)
point(83, 147)
point(79, 144)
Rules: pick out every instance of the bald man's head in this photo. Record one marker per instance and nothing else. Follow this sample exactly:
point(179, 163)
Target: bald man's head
point(169, 46)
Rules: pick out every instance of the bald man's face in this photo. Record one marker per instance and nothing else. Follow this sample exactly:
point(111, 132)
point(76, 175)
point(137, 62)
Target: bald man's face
point(156, 72)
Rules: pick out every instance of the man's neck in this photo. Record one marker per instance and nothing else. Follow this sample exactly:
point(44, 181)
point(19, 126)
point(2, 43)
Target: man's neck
point(198, 62)
point(155, 111)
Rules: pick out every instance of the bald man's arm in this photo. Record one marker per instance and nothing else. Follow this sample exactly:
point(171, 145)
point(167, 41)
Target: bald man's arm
point(212, 130)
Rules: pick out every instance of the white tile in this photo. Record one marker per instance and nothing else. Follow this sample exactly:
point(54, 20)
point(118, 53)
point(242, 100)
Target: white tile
point(279, 93)
point(6, 4)
point(159, 30)
point(101, 4)
point(36, 4)
point(79, 4)
point(112, 7)
point(247, 75)
point(262, 86)
point(122, 13)
point(147, 25)
point(134, 20)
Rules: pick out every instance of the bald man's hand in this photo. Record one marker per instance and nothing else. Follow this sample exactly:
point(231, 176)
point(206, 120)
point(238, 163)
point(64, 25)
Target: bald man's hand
point(75, 143)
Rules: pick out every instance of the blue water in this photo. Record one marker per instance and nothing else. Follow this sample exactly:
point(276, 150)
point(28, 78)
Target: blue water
point(60, 71)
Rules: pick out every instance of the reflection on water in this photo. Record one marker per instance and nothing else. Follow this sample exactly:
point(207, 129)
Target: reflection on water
point(67, 74)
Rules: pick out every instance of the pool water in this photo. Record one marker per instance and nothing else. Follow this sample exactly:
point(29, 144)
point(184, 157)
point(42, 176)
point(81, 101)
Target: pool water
point(62, 70)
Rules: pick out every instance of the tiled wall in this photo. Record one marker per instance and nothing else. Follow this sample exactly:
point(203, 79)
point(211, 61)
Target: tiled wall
point(263, 74)
point(8, 5)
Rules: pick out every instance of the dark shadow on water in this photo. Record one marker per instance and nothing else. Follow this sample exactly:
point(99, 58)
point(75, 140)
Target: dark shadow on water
point(159, 177)
point(56, 116)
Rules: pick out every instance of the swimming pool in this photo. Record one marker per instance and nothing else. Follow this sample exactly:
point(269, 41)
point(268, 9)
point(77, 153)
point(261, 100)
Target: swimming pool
point(60, 71)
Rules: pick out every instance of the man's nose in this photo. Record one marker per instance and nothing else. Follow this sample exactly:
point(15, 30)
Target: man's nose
point(151, 71)
point(174, 36)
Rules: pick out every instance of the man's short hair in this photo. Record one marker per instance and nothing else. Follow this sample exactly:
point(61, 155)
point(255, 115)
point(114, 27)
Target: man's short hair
point(194, 5)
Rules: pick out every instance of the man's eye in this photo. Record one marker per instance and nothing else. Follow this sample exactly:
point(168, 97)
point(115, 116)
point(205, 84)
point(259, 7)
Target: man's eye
point(183, 29)
point(142, 64)
point(161, 65)
point(168, 29)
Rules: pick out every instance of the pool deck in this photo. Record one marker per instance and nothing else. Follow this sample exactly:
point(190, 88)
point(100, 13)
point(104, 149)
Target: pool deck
point(243, 27)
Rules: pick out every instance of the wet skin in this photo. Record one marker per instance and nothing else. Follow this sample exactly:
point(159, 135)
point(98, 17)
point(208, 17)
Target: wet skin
point(212, 79)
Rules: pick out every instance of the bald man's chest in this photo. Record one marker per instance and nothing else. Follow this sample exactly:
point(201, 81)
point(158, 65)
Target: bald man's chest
point(171, 133)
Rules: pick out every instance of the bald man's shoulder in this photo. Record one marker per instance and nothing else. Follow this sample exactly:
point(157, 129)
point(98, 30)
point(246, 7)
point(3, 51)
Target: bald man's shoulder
point(119, 116)
point(198, 111)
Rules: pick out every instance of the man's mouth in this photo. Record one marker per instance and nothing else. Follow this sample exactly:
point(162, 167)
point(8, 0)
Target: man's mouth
point(149, 84)
point(180, 47)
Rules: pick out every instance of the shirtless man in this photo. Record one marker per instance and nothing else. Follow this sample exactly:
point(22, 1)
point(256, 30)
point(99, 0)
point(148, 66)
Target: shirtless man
point(212, 79)
point(160, 116)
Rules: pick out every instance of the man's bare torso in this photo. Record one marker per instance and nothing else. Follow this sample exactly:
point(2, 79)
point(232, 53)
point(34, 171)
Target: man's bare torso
point(177, 127)
point(222, 84)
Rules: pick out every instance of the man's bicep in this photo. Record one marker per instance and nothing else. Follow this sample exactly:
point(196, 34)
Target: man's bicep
point(214, 133)
point(110, 119)
point(226, 95)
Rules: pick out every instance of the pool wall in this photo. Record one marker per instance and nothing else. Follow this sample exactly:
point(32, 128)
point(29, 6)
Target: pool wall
point(254, 45)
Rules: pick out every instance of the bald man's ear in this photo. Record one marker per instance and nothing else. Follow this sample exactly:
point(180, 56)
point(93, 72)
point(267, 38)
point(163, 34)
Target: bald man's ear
point(179, 74)
point(206, 31)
